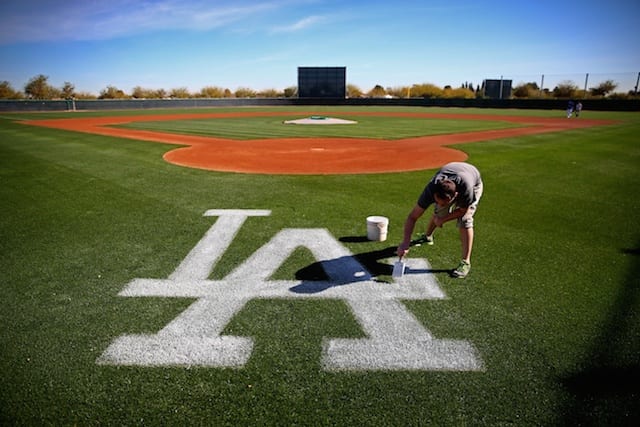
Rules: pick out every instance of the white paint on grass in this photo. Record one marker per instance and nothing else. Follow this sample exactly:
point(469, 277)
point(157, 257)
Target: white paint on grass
point(200, 261)
point(395, 339)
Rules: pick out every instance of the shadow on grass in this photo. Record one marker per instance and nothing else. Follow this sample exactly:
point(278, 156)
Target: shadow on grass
point(315, 279)
point(607, 390)
point(372, 260)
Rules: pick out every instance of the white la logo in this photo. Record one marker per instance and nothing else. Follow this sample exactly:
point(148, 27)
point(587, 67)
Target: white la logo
point(395, 339)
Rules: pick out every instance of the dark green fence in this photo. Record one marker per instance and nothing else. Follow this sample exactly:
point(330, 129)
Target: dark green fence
point(137, 104)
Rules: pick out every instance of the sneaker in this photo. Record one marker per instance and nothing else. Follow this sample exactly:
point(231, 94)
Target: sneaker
point(461, 270)
point(423, 238)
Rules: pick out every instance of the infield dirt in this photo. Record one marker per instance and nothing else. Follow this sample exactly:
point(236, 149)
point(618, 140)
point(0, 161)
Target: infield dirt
point(313, 155)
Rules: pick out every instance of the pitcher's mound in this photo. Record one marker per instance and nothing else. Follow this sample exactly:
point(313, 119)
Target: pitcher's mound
point(319, 120)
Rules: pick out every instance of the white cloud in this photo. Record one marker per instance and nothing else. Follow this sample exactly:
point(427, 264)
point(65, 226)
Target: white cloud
point(47, 20)
point(300, 25)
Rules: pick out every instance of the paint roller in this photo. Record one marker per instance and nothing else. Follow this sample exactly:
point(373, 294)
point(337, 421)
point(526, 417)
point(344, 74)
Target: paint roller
point(398, 268)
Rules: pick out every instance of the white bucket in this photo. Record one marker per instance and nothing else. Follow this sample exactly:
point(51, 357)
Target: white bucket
point(377, 228)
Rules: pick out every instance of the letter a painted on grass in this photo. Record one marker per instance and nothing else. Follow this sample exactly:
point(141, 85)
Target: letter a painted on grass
point(395, 339)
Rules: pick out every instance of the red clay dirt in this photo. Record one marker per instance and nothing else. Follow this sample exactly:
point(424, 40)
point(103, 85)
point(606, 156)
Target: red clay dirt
point(311, 156)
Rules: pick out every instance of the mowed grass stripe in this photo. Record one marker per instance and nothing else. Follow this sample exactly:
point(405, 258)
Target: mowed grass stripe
point(366, 127)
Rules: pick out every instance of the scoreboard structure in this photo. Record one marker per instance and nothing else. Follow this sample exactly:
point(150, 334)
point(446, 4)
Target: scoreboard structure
point(322, 82)
point(497, 89)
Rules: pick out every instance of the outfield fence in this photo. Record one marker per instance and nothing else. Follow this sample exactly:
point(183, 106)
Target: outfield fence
point(141, 104)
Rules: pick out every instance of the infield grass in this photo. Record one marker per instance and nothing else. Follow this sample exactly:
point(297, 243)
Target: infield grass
point(552, 302)
point(365, 127)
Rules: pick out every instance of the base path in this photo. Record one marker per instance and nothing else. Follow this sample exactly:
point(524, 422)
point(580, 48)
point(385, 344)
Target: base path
point(313, 155)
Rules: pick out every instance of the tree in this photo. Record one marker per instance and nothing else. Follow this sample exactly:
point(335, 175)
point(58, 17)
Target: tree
point(565, 89)
point(7, 92)
point(290, 92)
point(269, 93)
point(212, 92)
point(84, 95)
point(426, 90)
point(112, 92)
point(38, 88)
point(245, 92)
point(139, 92)
point(399, 91)
point(458, 93)
point(68, 90)
point(181, 92)
point(603, 88)
point(526, 90)
point(142, 93)
point(377, 92)
point(353, 91)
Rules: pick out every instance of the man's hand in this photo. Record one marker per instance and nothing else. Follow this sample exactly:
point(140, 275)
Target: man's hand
point(438, 221)
point(403, 250)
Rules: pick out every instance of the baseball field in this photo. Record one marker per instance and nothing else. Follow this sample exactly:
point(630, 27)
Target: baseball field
point(211, 267)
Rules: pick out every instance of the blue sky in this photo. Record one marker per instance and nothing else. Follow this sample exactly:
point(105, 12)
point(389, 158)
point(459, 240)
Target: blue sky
point(259, 44)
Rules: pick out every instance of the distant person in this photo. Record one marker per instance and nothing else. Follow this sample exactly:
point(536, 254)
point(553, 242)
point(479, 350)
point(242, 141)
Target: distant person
point(570, 107)
point(578, 108)
point(455, 190)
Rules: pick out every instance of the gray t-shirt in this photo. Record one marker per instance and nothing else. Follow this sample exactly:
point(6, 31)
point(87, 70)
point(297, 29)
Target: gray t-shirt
point(465, 176)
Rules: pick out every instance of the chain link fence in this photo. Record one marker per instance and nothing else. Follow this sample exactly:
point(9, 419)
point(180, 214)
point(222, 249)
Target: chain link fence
point(625, 83)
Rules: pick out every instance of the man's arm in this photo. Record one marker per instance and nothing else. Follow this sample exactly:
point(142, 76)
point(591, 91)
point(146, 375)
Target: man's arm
point(455, 214)
point(409, 225)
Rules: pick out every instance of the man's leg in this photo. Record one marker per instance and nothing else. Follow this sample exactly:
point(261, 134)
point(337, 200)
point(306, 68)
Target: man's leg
point(465, 228)
point(466, 240)
point(431, 227)
point(465, 225)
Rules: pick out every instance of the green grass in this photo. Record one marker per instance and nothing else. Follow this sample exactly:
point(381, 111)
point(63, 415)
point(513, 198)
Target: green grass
point(273, 127)
point(552, 302)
